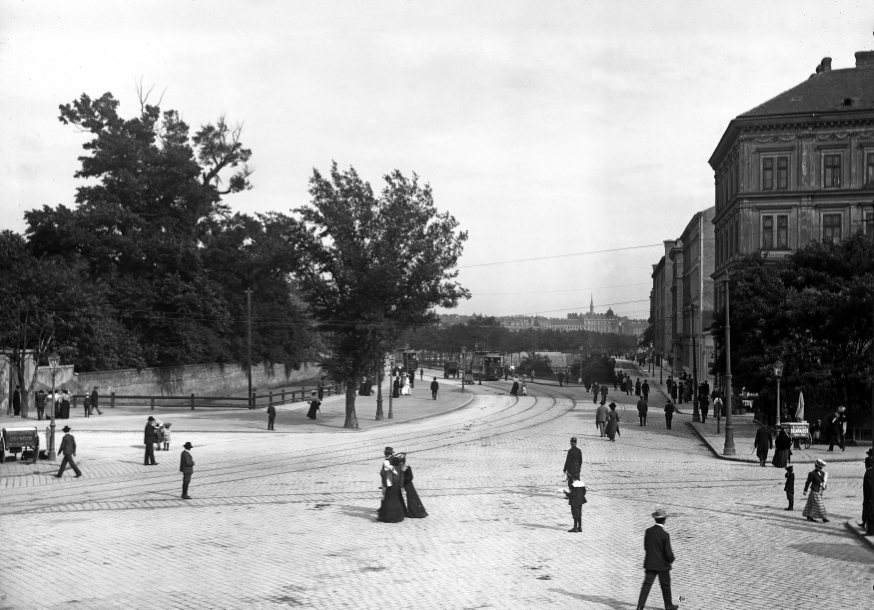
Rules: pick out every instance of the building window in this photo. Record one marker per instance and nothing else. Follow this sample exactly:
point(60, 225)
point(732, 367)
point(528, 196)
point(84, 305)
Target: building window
point(783, 232)
point(782, 173)
point(736, 235)
point(831, 227)
point(831, 177)
point(767, 174)
point(869, 169)
point(767, 232)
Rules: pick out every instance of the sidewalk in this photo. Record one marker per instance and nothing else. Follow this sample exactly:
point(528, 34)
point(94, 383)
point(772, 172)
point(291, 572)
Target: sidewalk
point(744, 435)
point(290, 417)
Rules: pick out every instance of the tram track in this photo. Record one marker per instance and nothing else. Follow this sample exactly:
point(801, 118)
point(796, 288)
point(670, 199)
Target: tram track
point(544, 407)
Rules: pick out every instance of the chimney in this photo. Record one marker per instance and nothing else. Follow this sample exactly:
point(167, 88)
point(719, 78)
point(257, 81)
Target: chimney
point(826, 64)
point(865, 59)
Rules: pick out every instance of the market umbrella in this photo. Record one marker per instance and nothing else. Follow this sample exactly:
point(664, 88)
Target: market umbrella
point(799, 412)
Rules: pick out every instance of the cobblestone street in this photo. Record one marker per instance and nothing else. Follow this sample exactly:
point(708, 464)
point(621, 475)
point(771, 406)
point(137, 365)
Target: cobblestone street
point(288, 519)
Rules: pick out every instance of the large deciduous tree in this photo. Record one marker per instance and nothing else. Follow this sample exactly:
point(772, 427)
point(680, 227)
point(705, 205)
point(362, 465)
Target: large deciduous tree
point(813, 311)
point(157, 239)
point(372, 265)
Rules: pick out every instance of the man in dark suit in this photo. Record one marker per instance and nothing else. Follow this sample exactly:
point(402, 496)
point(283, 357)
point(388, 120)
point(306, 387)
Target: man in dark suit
point(271, 417)
point(68, 448)
point(435, 387)
point(763, 443)
point(186, 467)
point(658, 560)
point(151, 436)
point(573, 462)
point(95, 401)
point(868, 497)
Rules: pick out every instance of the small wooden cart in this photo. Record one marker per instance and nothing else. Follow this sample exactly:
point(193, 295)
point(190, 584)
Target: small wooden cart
point(14, 440)
point(799, 432)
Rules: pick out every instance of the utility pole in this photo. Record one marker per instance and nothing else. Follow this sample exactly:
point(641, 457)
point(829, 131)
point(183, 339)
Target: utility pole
point(728, 448)
point(696, 416)
point(249, 372)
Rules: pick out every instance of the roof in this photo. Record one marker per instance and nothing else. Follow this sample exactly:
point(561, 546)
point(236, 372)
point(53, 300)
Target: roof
point(824, 92)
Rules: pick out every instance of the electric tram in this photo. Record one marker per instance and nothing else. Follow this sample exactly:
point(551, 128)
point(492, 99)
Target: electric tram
point(486, 365)
point(406, 359)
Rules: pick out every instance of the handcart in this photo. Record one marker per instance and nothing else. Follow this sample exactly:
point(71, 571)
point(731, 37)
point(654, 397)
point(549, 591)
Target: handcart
point(799, 432)
point(14, 440)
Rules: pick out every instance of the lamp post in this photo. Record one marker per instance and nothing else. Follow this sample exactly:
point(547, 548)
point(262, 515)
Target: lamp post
point(696, 416)
point(778, 373)
point(728, 448)
point(391, 374)
point(54, 364)
point(661, 367)
point(379, 416)
point(463, 369)
point(580, 380)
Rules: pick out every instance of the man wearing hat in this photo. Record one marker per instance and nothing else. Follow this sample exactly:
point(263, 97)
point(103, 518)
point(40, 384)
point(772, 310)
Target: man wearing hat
point(601, 418)
point(573, 462)
point(68, 448)
point(151, 436)
point(385, 469)
point(186, 467)
point(271, 416)
point(763, 443)
point(868, 497)
point(789, 487)
point(95, 401)
point(658, 560)
point(838, 421)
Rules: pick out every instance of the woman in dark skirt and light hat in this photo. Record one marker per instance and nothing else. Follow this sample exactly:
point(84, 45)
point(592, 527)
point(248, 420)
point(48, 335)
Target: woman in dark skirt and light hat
point(817, 481)
point(315, 403)
point(414, 506)
point(612, 422)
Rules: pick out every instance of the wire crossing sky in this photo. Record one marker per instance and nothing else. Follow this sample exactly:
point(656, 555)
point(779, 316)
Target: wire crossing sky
point(568, 138)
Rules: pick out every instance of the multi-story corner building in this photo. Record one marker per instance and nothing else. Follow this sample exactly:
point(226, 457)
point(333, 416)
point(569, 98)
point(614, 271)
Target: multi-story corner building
point(797, 168)
point(676, 314)
point(661, 304)
point(696, 304)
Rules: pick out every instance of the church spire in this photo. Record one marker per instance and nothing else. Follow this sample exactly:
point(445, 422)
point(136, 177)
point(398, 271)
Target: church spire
point(591, 303)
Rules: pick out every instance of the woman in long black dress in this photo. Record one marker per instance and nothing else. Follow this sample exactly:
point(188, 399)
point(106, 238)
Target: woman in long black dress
point(415, 508)
point(396, 390)
point(392, 509)
point(314, 405)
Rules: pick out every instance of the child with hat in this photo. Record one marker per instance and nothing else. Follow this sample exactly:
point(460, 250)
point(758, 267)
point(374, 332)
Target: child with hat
point(166, 437)
point(789, 488)
point(576, 497)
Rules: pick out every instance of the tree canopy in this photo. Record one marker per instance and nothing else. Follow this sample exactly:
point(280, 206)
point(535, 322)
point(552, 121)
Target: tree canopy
point(371, 266)
point(158, 252)
point(813, 311)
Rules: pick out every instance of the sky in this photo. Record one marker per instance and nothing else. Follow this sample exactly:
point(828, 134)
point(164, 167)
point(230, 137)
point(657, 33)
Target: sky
point(578, 131)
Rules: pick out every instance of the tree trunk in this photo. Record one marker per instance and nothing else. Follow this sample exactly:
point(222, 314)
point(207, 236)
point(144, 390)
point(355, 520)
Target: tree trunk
point(351, 417)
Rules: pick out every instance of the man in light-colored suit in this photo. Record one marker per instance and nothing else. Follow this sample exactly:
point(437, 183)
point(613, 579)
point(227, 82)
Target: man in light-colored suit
point(601, 419)
point(186, 467)
point(658, 560)
point(68, 448)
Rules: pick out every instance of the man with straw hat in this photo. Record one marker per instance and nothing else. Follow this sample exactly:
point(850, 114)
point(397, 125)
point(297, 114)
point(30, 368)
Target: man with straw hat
point(658, 560)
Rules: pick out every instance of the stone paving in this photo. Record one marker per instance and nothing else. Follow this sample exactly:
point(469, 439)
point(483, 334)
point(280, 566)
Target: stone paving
point(287, 519)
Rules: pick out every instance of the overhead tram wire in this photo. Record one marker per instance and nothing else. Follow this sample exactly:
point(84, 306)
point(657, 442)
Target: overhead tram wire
point(554, 256)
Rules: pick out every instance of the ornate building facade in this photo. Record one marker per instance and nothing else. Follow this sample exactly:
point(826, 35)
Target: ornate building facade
point(797, 168)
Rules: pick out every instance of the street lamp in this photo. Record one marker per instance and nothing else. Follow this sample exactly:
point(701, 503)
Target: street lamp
point(778, 373)
point(463, 369)
point(661, 373)
point(391, 373)
point(54, 364)
point(580, 381)
point(379, 370)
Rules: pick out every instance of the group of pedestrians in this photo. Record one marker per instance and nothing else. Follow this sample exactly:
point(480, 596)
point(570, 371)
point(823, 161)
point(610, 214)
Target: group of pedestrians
point(60, 402)
point(658, 554)
point(396, 479)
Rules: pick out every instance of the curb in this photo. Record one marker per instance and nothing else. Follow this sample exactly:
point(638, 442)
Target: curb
point(752, 460)
point(866, 540)
point(716, 452)
point(407, 421)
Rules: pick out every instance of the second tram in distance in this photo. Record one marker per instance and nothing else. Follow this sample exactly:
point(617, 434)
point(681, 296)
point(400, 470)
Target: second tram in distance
point(486, 365)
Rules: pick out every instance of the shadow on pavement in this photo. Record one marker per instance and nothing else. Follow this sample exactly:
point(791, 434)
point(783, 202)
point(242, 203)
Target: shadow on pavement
point(841, 552)
point(609, 602)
